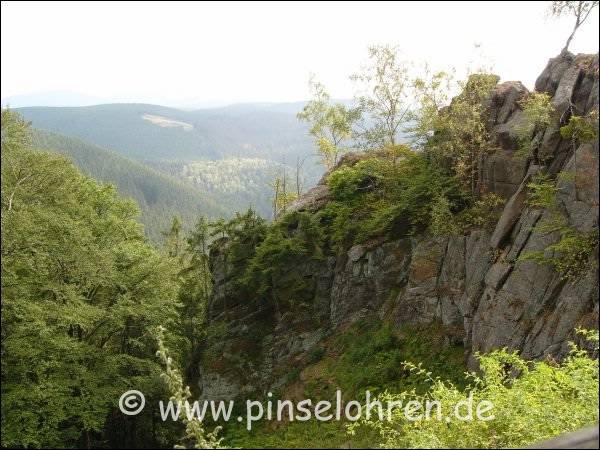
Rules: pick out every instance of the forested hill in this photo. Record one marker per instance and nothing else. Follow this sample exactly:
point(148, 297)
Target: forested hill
point(158, 195)
point(232, 154)
point(152, 132)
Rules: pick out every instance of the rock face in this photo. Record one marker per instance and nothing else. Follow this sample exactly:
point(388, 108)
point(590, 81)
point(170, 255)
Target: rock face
point(474, 284)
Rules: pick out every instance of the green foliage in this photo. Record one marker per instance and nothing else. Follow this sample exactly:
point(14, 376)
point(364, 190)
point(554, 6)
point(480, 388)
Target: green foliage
point(81, 290)
point(443, 222)
point(259, 253)
point(195, 283)
point(385, 196)
point(296, 237)
point(311, 434)
point(383, 98)
point(371, 357)
point(455, 136)
point(173, 238)
point(432, 92)
point(331, 124)
point(538, 113)
point(570, 255)
point(543, 192)
point(158, 195)
point(348, 182)
point(15, 131)
point(373, 352)
point(581, 129)
point(368, 355)
point(239, 239)
point(316, 355)
point(544, 400)
point(195, 436)
point(483, 212)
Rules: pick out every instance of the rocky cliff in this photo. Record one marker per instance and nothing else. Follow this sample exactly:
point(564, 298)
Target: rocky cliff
point(473, 285)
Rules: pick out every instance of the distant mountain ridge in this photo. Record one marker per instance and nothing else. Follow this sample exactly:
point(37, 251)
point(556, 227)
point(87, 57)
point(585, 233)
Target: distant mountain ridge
point(233, 131)
point(243, 145)
point(74, 98)
point(51, 98)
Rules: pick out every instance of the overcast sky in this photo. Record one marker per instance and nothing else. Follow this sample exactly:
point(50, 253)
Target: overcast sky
point(195, 53)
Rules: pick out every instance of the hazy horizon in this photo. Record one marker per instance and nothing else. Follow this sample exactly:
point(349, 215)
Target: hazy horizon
point(205, 54)
point(53, 99)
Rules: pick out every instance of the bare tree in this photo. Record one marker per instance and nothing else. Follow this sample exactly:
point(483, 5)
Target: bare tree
point(299, 177)
point(276, 189)
point(580, 10)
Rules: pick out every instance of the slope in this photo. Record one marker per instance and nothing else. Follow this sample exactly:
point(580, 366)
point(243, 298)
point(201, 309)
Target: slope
point(159, 196)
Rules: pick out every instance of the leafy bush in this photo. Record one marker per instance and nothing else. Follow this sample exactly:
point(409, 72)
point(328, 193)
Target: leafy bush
point(483, 213)
point(239, 239)
point(443, 222)
point(295, 236)
point(581, 129)
point(456, 136)
point(316, 355)
point(346, 183)
point(538, 113)
point(388, 195)
point(570, 256)
point(544, 400)
point(542, 192)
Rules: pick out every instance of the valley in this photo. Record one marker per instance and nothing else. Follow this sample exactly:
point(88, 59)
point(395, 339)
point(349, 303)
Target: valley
point(407, 257)
point(232, 153)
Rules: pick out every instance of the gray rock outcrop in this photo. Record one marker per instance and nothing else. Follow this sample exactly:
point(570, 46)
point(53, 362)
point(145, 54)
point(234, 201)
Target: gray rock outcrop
point(474, 284)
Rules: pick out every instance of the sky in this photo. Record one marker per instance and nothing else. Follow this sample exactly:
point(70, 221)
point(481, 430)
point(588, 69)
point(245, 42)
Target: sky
point(216, 53)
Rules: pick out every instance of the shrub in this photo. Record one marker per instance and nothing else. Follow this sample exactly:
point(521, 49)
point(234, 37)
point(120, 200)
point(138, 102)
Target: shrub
point(570, 256)
point(542, 192)
point(538, 113)
point(315, 355)
point(297, 235)
point(483, 213)
point(373, 352)
point(581, 129)
point(386, 196)
point(544, 400)
point(443, 222)
point(457, 135)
